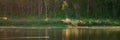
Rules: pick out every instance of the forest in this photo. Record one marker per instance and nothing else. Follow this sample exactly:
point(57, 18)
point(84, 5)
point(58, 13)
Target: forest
point(107, 11)
point(61, 8)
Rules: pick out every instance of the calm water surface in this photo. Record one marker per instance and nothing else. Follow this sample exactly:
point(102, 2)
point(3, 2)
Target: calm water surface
point(68, 33)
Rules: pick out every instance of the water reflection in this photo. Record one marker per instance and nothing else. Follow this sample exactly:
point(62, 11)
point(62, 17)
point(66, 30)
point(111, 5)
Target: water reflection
point(68, 33)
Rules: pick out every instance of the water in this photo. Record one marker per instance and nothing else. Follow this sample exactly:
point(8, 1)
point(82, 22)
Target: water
point(81, 33)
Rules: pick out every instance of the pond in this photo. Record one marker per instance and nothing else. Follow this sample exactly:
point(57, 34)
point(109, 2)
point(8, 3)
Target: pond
point(59, 33)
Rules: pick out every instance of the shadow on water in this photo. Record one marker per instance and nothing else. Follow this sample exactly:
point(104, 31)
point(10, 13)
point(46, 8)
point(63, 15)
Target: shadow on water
point(68, 33)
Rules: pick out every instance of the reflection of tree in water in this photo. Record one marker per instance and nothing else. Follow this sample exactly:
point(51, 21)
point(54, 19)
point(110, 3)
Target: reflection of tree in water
point(70, 30)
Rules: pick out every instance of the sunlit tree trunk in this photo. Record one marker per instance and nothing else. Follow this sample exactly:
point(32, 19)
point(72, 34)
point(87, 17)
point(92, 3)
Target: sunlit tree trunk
point(46, 9)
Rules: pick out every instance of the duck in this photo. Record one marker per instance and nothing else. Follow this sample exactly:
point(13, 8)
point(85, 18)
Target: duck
point(67, 20)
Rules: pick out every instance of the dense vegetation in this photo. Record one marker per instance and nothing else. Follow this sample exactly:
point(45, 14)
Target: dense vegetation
point(57, 8)
point(57, 23)
point(85, 10)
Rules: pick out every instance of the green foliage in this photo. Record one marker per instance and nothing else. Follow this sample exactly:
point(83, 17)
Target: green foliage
point(75, 8)
point(54, 22)
point(89, 11)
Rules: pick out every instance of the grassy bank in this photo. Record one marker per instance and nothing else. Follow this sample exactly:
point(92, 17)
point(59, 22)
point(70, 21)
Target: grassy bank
point(57, 22)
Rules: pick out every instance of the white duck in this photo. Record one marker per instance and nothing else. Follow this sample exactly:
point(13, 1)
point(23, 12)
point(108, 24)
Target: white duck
point(67, 20)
